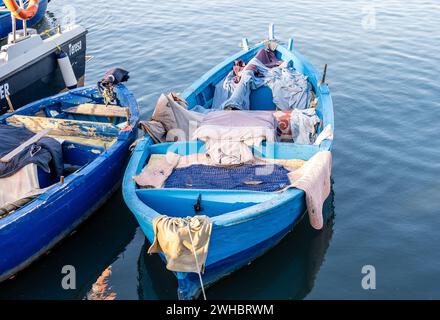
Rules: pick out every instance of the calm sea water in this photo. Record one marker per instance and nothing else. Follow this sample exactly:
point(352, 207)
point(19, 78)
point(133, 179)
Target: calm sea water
point(383, 71)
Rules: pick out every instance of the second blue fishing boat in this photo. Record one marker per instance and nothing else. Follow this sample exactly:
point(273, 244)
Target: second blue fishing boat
point(245, 223)
point(89, 143)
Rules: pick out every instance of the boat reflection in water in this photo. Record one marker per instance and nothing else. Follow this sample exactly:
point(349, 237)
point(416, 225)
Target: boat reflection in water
point(287, 271)
point(101, 289)
point(92, 250)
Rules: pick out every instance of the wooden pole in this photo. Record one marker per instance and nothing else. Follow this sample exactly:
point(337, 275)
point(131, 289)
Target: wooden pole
point(11, 106)
point(128, 116)
point(290, 44)
point(324, 74)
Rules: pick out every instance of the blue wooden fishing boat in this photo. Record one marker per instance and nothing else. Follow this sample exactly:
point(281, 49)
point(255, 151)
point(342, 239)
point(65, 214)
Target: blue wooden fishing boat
point(95, 140)
point(245, 224)
point(6, 23)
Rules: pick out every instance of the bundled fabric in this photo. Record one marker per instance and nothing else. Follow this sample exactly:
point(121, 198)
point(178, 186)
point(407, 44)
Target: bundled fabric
point(155, 174)
point(223, 90)
point(229, 134)
point(267, 57)
point(239, 97)
point(314, 178)
point(304, 124)
point(240, 118)
point(46, 153)
point(326, 134)
point(264, 56)
point(284, 129)
point(171, 120)
point(238, 67)
point(290, 89)
point(183, 241)
point(265, 178)
point(229, 94)
point(233, 92)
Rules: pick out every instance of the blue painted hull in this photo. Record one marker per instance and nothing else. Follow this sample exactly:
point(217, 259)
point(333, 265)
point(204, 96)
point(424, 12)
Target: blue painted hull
point(241, 233)
point(5, 19)
point(235, 241)
point(189, 283)
point(32, 230)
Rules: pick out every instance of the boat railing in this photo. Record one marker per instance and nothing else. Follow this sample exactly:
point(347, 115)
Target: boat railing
point(14, 24)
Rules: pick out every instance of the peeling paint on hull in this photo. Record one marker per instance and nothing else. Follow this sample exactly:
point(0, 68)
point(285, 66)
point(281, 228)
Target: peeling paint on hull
point(29, 232)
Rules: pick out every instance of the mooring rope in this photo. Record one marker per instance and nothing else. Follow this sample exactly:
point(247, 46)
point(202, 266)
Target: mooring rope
point(197, 261)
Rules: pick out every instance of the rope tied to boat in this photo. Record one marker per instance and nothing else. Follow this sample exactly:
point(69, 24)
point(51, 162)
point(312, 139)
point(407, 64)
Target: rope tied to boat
point(196, 260)
point(184, 241)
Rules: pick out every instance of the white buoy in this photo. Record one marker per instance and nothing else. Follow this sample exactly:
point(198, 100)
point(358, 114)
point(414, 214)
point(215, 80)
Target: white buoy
point(66, 70)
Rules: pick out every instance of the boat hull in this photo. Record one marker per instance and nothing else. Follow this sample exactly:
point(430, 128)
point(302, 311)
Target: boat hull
point(235, 241)
point(34, 229)
point(6, 23)
point(42, 77)
point(233, 247)
point(189, 286)
point(243, 234)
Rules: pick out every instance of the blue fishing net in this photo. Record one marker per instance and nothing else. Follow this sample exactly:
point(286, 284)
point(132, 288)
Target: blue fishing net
point(267, 178)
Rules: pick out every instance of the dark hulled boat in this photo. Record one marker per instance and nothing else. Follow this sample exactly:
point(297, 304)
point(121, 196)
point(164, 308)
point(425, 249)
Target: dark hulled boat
point(29, 70)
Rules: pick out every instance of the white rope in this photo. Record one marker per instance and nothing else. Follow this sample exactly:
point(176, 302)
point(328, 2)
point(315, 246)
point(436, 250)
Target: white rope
point(197, 261)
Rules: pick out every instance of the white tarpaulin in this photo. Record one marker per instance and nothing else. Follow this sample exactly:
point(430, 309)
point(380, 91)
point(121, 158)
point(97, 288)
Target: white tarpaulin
point(20, 184)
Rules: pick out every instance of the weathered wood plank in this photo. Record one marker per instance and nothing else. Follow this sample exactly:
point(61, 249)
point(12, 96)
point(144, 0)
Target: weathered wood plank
point(103, 142)
point(24, 145)
point(65, 127)
point(98, 110)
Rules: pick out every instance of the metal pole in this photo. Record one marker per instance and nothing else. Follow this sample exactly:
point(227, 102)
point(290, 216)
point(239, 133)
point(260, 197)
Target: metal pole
point(14, 28)
point(24, 21)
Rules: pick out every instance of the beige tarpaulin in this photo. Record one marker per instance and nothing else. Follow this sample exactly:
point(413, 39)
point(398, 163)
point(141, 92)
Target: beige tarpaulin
point(180, 239)
point(171, 120)
point(156, 173)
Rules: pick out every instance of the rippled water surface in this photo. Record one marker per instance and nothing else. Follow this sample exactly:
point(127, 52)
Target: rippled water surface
point(383, 71)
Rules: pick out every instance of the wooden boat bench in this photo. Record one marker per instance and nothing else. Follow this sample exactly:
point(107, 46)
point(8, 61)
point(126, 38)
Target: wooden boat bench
point(99, 110)
point(65, 127)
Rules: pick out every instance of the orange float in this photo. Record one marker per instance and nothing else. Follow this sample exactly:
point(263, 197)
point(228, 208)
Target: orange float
point(22, 13)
